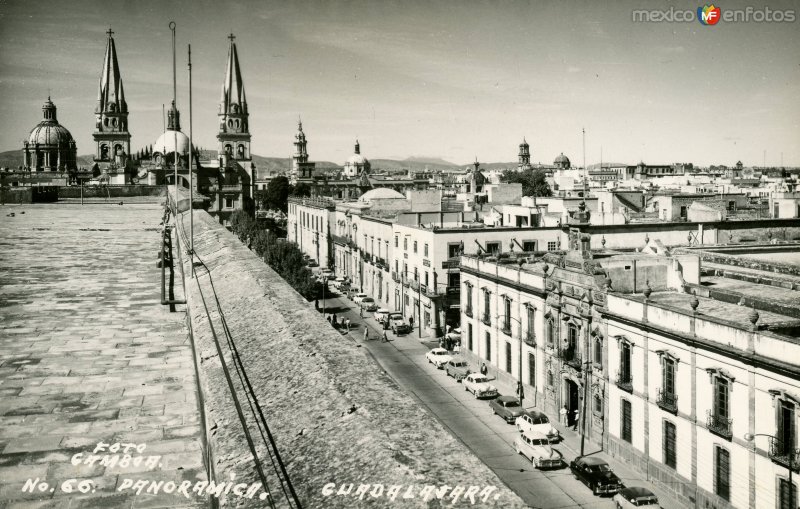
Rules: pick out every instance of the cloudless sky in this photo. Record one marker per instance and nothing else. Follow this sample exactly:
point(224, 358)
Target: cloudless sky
point(452, 78)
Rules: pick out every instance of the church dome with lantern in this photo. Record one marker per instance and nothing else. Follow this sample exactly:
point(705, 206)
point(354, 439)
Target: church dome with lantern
point(356, 163)
point(50, 145)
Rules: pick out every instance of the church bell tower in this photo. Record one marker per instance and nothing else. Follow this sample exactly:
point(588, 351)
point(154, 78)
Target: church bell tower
point(234, 132)
point(111, 135)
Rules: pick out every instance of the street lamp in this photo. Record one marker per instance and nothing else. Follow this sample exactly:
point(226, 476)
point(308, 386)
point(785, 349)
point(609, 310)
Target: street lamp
point(520, 390)
point(792, 493)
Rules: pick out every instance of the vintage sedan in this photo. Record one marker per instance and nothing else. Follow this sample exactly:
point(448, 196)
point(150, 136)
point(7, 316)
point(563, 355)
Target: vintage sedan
point(536, 447)
point(507, 407)
point(534, 420)
point(438, 357)
point(635, 496)
point(479, 385)
point(457, 368)
point(381, 314)
point(358, 297)
point(398, 323)
point(368, 303)
point(595, 473)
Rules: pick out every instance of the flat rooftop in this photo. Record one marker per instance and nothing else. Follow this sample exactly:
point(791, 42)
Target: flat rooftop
point(88, 354)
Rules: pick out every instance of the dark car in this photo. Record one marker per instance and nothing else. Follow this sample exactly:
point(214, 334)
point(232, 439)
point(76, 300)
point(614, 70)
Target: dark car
point(507, 407)
point(596, 474)
point(457, 368)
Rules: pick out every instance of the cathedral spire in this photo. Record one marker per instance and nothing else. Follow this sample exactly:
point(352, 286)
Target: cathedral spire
point(234, 131)
point(111, 96)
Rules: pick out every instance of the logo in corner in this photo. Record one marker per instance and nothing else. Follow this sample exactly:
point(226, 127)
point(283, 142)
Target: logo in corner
point(709, 15)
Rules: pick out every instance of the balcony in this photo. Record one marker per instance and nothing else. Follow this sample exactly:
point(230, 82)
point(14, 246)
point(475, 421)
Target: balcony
point(530, 339)
point(719, 425)
point(783, 455)
point(468, 311)
point(452, 263)
point(625, 382)
point(506, 327)
point(487, 319)
point(572, 357)
point(667, 401)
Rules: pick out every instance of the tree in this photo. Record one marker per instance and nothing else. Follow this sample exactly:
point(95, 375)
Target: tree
point(277, 194)
point(533, 181)
point(301, 189)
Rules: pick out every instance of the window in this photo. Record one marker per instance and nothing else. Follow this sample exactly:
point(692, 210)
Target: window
point(468, 292)
point(722, 473)
point(426, 280)
point(626, 433)
point(228, 203)
point(787, 494)
point(416, 274)
point(493, 248)
point(531, 370)
point(551, 333)
point(572, 336)
point(486, 305)
point(785, 427)
point(551, 246)
point(669, 444)
point(624, 375)
point(405, 244)
point(508, 357)
point(396, 242)
point(529, 246)
point(415, 246)
point(531, 333)
point(453, 250)
point(426, 249)
point(598, 351)
point(598, 404)
point(469, 337)
point(668, 376)
point(550, 378)
point(488, 347)
point(507, 316)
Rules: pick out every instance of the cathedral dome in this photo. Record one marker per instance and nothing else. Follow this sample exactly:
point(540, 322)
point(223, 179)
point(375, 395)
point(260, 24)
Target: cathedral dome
point(357, 159)
point(165, 144)
point(562, 160)
point(380, 193)
point(49, 132)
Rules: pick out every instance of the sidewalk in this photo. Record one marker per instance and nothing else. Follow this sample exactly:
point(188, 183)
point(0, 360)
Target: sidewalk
point(571, 442)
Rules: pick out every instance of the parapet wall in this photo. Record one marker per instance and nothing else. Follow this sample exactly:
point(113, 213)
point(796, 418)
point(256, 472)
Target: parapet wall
point(114, 191)
point(338, 419)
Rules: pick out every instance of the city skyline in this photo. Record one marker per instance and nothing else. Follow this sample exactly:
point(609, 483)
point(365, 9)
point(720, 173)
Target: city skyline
point(445, 80)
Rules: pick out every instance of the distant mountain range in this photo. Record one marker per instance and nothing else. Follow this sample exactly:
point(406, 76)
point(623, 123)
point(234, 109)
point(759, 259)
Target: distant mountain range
point(13, 159)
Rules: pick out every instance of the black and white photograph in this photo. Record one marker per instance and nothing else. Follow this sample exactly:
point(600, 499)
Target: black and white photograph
point(399, 254)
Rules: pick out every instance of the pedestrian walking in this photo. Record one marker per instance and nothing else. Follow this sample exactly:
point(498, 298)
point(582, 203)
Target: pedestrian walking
point(411, 321)
point(347, 324)
point(366, 333)
point(457, 348)
point(484, 369)
point(562, 414)
point(334, 319)
point(361, 312)
point(384, 339)
point(577, 418)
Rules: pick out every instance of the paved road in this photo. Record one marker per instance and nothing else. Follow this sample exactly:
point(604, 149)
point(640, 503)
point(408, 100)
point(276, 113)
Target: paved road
point(470, 420)
point(89, 354)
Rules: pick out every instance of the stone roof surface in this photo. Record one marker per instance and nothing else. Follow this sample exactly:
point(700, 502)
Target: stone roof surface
point(335, 415)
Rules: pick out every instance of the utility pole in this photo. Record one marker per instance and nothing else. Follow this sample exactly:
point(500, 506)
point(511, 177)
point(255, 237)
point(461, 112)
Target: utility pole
point(172, 26)
point(191, 176)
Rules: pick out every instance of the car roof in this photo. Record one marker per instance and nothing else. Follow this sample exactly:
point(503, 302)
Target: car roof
point(532, 433)
point(458, 359)
point(507, 398)
point(382, 310)
point(636, 492)
point(592, 460)
point(438, 349)
point(536, 413)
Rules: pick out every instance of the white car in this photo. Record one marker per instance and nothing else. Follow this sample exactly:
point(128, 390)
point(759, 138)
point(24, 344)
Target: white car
point(438, 357)
point(357, 298)
point(381, 314)
point(337, 282)
point(479, 385)
point(533, 420)
point(536, 447)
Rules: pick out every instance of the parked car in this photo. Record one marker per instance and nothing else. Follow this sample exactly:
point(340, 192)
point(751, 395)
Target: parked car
point(338, 282)
point(398, 323)
point(454, 335)
point(357, 298)
point(507, 407)
point(635, 496)
point(438, 357)
point(534, 420)
point(381, 314)
point(536, 447)
point(369, 304)
point(458, 368)
point(327, 274)
point(595, 473)
point(479, 385)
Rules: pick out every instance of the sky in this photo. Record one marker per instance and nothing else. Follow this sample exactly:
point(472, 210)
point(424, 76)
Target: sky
point(453, 79)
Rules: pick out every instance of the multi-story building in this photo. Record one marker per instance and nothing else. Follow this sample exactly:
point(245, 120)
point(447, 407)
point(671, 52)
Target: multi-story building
point(308, 225)
point(698, 391)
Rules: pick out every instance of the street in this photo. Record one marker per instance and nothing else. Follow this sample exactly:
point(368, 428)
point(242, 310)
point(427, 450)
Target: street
point(472, 421)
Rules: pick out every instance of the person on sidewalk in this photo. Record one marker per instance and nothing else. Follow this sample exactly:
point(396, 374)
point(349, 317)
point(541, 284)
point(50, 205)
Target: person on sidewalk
point(366, 333)
point(562, 414)
point(577, 420)
point(411, 321)
point(384, 339)
point(361, 312)
point(347, 324)
point(484, 369)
